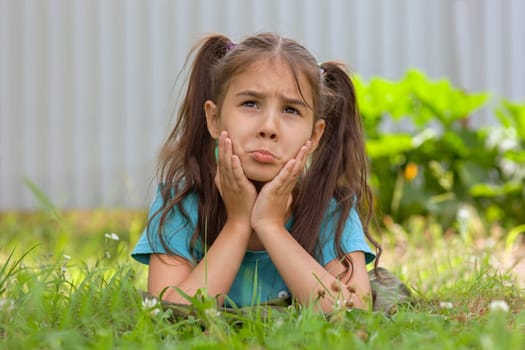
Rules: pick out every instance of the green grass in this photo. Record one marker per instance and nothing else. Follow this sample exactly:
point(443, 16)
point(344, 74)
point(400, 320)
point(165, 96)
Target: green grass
point(65, 283)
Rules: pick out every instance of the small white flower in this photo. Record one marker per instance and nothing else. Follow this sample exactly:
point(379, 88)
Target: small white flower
point(212, 312)
point(499, 305)
point(283, 294)
point(148, 303)
point(345, 304)
point(67, 257)
point(446, 305)
point(463, 214)
point(112, 236)
point(151, 303)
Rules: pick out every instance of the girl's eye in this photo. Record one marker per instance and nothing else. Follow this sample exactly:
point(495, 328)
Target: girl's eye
point(249, 104)
point(291, 110)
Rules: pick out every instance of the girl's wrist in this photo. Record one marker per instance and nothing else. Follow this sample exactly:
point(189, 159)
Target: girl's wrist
point(238, 225)
point(266, 228)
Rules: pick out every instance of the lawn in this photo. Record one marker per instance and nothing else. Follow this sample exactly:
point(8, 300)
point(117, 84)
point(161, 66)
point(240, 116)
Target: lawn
point(67, 281)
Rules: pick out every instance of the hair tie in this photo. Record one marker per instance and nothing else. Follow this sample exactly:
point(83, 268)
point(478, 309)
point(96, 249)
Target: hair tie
point(322, 70)
point(230, 46)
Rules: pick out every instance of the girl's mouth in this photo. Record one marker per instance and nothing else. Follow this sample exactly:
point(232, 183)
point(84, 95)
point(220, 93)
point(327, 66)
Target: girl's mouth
point(263, 156)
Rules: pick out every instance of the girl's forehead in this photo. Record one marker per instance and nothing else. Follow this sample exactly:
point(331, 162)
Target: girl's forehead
point(261, 64)
point(273, 72)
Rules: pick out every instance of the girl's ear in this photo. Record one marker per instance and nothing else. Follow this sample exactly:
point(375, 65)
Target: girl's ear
point(212, 119)
point(317, 133)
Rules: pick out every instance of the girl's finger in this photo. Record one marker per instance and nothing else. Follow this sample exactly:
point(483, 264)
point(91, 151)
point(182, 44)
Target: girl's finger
point(288, 176)
point(232, 174)
point(222, 147)
point(225, 155)
point(237, 171)
point(302, 155)
point(284, 181)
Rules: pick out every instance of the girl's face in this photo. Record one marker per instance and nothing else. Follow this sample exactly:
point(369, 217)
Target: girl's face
point(266, 117)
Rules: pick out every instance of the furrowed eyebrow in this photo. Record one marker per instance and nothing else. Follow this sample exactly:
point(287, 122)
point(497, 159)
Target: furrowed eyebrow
point(259, 95)
point(250, 93)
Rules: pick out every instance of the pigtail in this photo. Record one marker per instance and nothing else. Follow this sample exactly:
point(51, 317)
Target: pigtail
point(190, 129)
point(346, 137)
point(343, 134)
point(339, 165)
point(186, 161)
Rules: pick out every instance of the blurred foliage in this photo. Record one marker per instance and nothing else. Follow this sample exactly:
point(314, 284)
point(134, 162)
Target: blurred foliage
point(427, 159)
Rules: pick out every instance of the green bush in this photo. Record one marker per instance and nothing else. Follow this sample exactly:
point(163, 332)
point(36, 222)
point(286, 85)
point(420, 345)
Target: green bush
point(434, 162)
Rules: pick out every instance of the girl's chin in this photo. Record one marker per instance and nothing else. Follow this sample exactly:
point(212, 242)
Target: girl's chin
point(260, 174)
point(260, 179)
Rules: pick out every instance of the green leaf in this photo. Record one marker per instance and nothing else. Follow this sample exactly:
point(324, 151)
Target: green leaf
point(485, 190)
point(389, 145)
point(512, 115)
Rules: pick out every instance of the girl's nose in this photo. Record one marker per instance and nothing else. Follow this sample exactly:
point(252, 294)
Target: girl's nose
point(268, 128)
point(267, 134)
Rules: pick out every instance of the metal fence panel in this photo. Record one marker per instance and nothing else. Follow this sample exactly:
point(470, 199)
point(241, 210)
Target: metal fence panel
point(87, 88)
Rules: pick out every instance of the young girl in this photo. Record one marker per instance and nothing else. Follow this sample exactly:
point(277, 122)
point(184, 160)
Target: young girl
point(263, 182)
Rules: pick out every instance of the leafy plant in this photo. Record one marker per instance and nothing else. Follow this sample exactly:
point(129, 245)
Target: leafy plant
point(427, 159)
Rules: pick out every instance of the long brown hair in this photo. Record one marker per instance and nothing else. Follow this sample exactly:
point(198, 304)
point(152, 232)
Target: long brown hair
point(338, 167)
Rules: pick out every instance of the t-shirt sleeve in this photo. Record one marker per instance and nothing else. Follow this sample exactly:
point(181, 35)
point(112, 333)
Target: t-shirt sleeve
point(177, 231)
point(352, 239)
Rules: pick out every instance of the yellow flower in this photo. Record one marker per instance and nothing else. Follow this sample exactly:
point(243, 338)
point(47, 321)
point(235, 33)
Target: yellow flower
point(411, 171)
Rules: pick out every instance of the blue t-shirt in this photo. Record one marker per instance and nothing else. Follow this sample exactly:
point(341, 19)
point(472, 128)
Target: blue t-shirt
point(257, 279)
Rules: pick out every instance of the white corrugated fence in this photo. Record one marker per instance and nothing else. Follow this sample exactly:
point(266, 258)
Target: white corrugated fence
point(87, 86)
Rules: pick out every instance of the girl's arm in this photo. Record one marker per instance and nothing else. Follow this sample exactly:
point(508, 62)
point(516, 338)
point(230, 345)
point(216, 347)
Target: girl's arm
point(310, 282)
point(304, 276)
point(215, 272)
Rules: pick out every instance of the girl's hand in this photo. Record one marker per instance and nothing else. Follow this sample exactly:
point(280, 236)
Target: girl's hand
point(274, 200)
point(237, 192)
